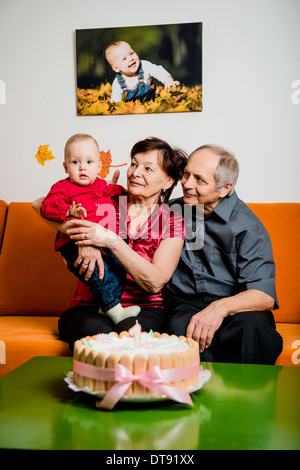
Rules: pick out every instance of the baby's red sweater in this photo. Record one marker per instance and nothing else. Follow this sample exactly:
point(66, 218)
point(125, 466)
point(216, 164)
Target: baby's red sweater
point(56, 204)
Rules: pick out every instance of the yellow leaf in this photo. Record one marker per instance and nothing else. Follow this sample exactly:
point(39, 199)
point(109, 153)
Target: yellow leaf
point(44, 154)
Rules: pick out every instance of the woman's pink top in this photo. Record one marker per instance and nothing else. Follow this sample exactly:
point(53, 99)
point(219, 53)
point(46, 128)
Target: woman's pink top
point(160, 225)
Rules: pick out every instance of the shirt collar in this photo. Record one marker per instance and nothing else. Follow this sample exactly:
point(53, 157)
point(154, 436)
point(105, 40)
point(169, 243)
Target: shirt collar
point(222, 210)
point(225, 207)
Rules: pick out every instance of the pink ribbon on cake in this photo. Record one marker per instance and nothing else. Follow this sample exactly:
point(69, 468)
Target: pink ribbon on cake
point(153, 379)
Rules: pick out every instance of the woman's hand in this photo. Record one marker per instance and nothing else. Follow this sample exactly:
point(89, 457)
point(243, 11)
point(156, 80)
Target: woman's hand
point(88, 257)
point(89, 233)
point(115, 178)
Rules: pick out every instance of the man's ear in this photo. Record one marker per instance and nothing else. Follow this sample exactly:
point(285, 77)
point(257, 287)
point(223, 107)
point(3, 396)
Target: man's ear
point(225, 190)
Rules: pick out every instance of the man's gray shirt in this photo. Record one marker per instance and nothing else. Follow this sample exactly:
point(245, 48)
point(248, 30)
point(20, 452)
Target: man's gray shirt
point(235, 253)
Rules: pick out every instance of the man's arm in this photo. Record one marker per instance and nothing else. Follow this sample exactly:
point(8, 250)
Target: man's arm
point(205, 323)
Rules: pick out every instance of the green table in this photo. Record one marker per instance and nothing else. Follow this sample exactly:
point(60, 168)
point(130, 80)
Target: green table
point(241, 407)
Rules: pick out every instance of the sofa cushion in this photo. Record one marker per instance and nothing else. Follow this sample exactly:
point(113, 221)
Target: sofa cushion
point(290, 355)
point(282, 221)
point(27, 336)
point(34, 279)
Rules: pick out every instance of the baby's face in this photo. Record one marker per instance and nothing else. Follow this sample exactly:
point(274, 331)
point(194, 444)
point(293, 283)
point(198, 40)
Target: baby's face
point(83, 162)
point(124, 60)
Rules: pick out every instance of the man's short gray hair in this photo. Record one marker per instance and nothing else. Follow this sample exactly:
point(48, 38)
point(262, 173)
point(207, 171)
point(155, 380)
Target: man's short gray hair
point(228, 167)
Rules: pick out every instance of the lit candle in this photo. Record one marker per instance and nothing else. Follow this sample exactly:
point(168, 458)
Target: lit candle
point(135, 331)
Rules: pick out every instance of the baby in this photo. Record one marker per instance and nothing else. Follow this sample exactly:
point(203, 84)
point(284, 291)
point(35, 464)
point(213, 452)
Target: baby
point(133, 80)
point(84, 194)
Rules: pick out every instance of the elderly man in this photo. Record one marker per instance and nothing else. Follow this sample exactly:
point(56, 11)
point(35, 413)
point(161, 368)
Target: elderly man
point(222, 293)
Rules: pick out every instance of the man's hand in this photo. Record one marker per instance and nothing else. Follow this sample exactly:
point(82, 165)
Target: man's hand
point(205, 323)
point(88, 256)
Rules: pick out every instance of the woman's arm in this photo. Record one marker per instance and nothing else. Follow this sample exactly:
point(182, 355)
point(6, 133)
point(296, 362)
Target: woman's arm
point(150, 276)
point(88, 254)
point(60, 226)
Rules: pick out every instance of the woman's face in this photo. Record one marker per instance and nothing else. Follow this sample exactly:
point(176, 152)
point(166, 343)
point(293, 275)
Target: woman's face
point(146, 178)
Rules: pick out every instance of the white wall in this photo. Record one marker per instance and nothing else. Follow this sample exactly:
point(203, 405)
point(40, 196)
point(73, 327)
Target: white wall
point(251, 59)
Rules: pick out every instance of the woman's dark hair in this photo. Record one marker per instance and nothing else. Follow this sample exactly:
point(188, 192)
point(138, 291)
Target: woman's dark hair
point(173, 160)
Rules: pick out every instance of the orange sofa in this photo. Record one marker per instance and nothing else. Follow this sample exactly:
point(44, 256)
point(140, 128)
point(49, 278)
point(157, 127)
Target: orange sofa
point(35, 285)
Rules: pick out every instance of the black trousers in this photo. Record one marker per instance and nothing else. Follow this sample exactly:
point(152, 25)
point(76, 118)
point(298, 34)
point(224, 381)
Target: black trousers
point(246, 337)
point(84, 320)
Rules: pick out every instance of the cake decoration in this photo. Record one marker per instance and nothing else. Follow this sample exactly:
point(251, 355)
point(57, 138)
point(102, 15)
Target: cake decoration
point(135, 331)
point(123, 365)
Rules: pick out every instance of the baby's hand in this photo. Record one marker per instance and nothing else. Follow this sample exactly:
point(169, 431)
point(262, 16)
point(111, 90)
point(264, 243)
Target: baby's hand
point(77, 211)
point(169, 82)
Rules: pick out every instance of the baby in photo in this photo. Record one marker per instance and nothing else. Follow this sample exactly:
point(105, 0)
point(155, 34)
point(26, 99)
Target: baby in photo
point(134, 76)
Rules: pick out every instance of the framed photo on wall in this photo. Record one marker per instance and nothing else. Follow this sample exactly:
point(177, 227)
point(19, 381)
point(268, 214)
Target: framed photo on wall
point(139, 69)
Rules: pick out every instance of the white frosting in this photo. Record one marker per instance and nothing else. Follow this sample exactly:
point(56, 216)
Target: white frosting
point(126, 345)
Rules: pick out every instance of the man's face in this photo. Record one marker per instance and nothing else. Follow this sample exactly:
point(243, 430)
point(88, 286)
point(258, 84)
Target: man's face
point(198, 182)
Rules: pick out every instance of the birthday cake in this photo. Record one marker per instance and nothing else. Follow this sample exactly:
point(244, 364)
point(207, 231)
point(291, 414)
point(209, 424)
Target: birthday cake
point(104, 360)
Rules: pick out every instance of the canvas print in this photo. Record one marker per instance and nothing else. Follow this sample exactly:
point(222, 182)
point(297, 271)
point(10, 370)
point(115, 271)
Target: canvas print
point(139, 69)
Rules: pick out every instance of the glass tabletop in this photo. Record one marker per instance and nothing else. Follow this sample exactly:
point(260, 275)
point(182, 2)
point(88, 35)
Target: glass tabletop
point(243, 406)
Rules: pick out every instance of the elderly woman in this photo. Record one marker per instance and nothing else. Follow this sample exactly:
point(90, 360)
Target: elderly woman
point(148, 244)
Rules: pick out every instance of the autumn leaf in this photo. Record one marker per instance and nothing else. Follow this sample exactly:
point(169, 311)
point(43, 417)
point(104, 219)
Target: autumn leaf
point(180, 99)
point(105, 158)
point(44, 154)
